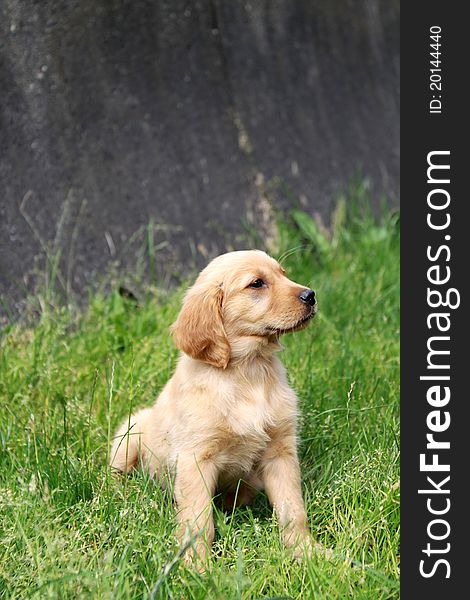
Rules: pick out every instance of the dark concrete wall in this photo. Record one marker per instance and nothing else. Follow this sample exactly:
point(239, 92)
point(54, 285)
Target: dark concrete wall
point(115, 112)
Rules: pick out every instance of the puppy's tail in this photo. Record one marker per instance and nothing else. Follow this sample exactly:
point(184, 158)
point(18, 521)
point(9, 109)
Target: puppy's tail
point(127, 442)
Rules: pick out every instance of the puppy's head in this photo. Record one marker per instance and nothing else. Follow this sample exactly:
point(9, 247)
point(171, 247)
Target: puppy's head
point(241, 302)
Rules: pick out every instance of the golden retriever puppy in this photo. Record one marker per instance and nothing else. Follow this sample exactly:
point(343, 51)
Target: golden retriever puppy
point(228, 416)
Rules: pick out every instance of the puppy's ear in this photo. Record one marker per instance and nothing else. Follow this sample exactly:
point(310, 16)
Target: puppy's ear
point(198, 331)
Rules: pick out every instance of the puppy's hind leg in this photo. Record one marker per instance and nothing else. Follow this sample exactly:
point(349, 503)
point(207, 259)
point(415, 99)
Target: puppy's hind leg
point(126, 446)
point(243, 493)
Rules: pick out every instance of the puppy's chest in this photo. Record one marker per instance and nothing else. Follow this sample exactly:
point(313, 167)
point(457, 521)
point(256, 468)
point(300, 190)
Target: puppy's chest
point(250, 413)
point(244, 431)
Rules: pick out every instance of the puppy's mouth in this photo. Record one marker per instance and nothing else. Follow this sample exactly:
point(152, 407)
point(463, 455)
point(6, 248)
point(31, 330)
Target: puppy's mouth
point(300, 324)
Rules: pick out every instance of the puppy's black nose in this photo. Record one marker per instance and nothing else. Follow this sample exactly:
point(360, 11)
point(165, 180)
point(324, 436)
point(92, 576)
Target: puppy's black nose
point(307, 297)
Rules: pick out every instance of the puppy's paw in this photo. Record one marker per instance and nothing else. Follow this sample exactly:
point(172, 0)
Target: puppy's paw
point(322, 550)
point(194, 562)
point(307, 547)
point(196, 555)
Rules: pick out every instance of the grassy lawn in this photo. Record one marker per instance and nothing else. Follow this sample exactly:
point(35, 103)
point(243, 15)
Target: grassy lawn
point(69, 529)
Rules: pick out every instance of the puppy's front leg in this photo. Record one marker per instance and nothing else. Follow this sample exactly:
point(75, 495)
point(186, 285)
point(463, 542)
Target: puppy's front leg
point(281, 476)
point(195, 486)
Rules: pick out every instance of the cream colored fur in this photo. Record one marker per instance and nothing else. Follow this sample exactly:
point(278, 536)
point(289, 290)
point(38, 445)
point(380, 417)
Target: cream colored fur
point(228, 413)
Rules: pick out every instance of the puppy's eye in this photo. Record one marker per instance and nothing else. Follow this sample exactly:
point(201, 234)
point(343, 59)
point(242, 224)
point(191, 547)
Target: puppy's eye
point(258, 283)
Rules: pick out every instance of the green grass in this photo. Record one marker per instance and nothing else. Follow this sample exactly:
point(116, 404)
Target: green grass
point(70, 530)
